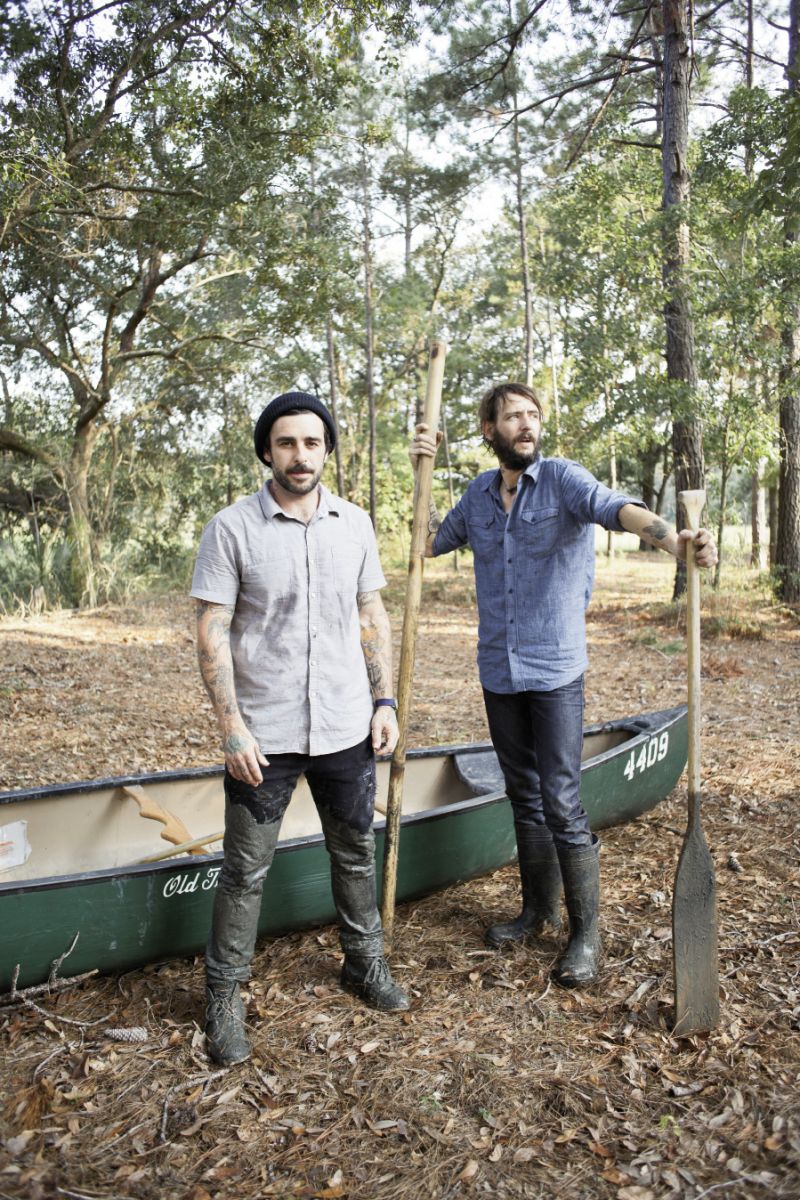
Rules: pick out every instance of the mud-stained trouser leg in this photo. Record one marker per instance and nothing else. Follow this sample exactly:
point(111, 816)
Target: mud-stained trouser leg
point(252, 823)
point(343, 787)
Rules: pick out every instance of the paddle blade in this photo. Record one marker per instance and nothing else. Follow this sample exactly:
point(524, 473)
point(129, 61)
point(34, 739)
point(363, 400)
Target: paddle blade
point(694, 937)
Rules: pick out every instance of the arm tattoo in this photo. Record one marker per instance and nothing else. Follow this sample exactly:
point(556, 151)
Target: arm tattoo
point(376, 643)
point(434, 520)
point(658, 530)
point(214, 655)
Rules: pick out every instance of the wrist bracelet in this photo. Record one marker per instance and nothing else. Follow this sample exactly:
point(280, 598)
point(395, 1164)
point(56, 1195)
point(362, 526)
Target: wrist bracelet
point(385, 702)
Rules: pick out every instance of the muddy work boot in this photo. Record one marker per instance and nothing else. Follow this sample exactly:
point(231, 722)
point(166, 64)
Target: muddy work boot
point(540, 875)
point(580, 868)
point(225, 1019)
point(371, 980)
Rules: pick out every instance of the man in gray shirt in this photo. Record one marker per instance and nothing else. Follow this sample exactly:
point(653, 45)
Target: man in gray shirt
point(295, 652)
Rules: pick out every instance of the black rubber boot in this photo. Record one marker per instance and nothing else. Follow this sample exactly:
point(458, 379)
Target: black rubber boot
point(370, 979)
point(540, 874)
point(225, 1018)
point(580, 869)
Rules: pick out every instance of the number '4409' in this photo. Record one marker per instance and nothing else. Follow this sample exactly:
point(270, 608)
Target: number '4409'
point(651, 752)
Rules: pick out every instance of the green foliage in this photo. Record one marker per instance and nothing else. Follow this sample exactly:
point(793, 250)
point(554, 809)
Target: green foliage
point(185, 194)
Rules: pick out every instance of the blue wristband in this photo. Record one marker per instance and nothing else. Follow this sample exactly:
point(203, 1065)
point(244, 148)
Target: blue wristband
point(386, 703)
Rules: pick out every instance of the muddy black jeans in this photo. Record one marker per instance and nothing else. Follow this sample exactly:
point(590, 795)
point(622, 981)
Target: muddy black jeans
point(343, 787)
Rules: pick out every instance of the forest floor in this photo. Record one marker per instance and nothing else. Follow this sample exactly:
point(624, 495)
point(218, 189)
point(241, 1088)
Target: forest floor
point(495, 1083)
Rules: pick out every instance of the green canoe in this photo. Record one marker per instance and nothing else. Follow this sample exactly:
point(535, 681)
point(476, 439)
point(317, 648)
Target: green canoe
point(71, 855)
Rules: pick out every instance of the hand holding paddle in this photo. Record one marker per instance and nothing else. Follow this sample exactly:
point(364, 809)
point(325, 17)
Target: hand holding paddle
point(694, 901)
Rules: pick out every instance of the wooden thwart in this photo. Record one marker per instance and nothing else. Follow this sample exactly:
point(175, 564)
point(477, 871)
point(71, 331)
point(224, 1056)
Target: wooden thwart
point(694, 900)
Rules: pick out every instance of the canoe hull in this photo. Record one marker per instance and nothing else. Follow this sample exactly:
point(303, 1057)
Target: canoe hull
point(129, 916)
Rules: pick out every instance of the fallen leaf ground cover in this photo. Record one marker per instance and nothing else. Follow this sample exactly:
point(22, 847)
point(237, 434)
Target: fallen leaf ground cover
point(496, 1082)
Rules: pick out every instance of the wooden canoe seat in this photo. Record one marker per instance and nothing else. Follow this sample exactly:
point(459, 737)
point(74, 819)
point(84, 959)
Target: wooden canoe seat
point(480, 772)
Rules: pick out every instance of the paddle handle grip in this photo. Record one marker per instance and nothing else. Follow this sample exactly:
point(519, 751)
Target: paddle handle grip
point(693, 503)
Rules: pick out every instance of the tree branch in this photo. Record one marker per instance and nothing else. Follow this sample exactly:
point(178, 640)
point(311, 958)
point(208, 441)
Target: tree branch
point(17, 444)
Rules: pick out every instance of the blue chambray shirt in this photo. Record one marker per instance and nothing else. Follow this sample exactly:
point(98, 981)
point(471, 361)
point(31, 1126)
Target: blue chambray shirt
point(534, 570)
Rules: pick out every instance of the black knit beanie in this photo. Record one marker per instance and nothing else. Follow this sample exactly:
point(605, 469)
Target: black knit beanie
point(283, 404)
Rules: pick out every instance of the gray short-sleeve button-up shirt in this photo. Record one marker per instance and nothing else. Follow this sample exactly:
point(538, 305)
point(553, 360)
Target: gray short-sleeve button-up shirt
point(300, 675)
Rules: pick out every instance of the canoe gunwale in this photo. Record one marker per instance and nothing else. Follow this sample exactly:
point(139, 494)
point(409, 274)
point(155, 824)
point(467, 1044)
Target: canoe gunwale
point(641, 728)
point(637, 725)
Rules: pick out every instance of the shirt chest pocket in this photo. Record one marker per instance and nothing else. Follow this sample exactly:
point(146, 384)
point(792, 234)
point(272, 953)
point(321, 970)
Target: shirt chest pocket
point(486, 536)
point(269, 577)
point(347, 559)
point(538, 531)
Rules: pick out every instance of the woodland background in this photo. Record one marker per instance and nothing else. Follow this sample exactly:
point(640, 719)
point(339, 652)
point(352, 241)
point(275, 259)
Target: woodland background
point(203, 205)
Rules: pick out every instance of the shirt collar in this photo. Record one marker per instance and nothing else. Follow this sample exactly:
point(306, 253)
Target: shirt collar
point(492, 478)
point(329, 505)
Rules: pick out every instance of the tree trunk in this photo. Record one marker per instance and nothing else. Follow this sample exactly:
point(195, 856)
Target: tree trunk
point(523, 246)
point(448, 464)
point(648, 461)
point(758, 558)
point(83, 561)
point(334, 394)
point(725, 468)
point(687, 433)
point(369, 341)
point(612, 462)
point(552, 348)
point(787, 549)
point(772, 509)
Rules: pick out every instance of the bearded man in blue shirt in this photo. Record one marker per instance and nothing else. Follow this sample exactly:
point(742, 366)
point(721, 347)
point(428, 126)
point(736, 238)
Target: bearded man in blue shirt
point(530, 524)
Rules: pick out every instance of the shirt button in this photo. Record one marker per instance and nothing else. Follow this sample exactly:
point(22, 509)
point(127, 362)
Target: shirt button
point(509, 560)
point(510, 591)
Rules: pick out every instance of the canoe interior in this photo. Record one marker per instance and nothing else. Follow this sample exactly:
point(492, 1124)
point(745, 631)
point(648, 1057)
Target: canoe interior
point(72, 831)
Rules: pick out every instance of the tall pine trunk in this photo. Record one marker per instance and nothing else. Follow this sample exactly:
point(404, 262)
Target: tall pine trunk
point(519, 187)
point(83, 546)
point(334, 395)
point(687, 434)
point(787, 550)
point(369, 341)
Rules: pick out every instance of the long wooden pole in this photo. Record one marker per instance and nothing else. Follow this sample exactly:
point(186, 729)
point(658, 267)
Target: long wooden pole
point(408, 646)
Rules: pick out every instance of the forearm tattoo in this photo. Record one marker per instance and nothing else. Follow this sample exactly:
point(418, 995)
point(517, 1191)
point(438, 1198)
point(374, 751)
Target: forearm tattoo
point(657, 531)
point(434, 520)
point(214, 656)
point(376, 642)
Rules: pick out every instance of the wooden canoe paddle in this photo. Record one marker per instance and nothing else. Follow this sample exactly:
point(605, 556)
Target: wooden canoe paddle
point(408, 645)
point(694, 899)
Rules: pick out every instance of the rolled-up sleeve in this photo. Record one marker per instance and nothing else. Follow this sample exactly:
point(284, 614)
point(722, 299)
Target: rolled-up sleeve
point(452, 533)
point(591, 501)
point(216, 572)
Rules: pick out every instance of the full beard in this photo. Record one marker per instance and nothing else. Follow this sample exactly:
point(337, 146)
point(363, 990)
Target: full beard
point(516, 456)
point(294, 485)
